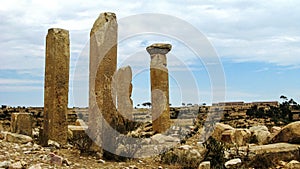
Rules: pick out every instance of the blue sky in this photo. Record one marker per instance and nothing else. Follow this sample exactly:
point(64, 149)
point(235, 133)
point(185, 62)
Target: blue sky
point(257, 43)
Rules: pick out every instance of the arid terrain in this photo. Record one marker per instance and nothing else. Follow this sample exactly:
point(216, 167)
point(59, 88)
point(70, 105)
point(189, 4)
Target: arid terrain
point(239, 140)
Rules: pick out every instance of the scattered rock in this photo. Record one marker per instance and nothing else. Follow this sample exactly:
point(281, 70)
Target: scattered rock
point(18, 138)
point(234, 163)
point(260, 133)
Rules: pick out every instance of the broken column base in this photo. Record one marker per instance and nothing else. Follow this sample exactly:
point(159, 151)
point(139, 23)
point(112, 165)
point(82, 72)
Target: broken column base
point(21, 123)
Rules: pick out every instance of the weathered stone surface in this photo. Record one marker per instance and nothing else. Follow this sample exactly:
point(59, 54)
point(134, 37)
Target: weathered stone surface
point(290, 134)
point(204, 165)
point(124, 90)
point(293, 165)
point(55, 159)
point(227, 136)
point(103, 117)
point(241, 136)
point(16, 165)
point(21, 123)
point(234, 163)
point(282, 151)
point(161, 139)
point(260, 133)
point(159, 86)
point(36, 166)
point(275, 129)
point(219, 129)
point(18, 138)
point(4, 164)
point(56, 86)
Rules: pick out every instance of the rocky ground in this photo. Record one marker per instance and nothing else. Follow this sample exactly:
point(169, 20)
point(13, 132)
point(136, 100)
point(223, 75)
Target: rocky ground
point(250, 144)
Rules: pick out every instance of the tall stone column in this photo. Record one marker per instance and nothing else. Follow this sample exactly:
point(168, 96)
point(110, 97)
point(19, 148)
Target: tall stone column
point(124, 91)
point(56, 86)
point(159, 86)
point(103, 116)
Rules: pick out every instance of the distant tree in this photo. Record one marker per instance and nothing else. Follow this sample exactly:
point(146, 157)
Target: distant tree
point(138, 105)
point(283, 97)
point(189, 104)
point(183, 104)
point(292, 102)
point(147, 104)
point(204, 104)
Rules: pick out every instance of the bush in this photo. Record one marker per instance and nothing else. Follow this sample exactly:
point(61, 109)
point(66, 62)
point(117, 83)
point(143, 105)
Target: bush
point(215, 153)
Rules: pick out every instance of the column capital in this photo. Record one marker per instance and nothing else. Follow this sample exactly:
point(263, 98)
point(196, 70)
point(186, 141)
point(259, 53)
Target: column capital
point(159, 48)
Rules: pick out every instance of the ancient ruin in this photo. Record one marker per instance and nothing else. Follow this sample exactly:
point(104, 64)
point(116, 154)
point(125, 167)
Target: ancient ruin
point(21, 123)
point(159, 86)
point(124, 90)
point(56, 86)
point(103, 116)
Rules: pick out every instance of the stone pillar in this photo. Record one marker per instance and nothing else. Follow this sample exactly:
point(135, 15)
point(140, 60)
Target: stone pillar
point(103, 116)
point(21, 123)
point(55, 125)
point(124, 90)
point(159, 86)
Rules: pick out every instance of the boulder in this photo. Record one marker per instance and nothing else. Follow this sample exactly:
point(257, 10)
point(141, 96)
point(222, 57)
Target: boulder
point(282, 151)
point(289, 134)
point(241, 136)
point(293, 165)
point(18, 138)
point(260, 133)
point(204, 165)
point(219, 129)
point(234, 163)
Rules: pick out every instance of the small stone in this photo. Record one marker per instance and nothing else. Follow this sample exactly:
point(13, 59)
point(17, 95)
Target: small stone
point(101, 161)
point(185, 147)
point(204, 165)
point(52, 143)
point(55, 159)
point(233, 163)
point(4, 164)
